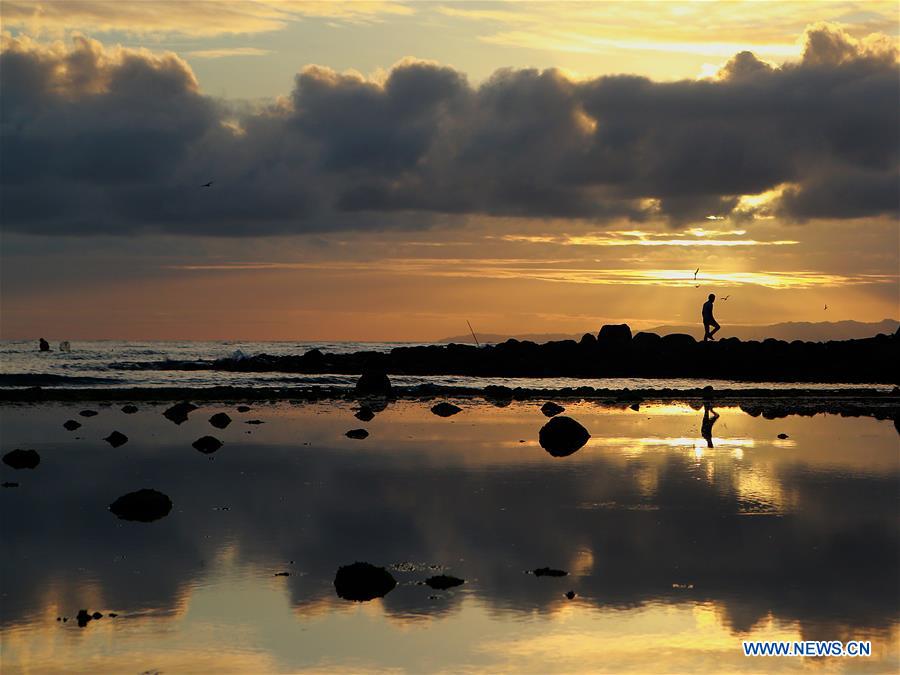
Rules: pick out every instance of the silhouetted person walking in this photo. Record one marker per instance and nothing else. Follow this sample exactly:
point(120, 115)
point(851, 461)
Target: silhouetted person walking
point(708, 422)
point(708, 319)
point(43, 345)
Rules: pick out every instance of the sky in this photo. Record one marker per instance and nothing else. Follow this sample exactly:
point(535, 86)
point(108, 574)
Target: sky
point(390, 170)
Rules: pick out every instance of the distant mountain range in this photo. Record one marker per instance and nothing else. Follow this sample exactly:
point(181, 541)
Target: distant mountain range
point(820, 331)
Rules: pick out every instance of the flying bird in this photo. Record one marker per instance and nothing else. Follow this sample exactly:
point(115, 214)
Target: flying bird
point(726, 297)
point(209, 184)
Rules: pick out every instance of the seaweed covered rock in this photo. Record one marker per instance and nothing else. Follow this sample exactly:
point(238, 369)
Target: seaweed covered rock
point(551, 409)
point(207, 444)
point(442, 582)
point(145, 506)
point(363, 581)
point(220, 420)
point(116, 439)
point(562, 436)
point(22, 459)
point(178, 413)
point(445, 409)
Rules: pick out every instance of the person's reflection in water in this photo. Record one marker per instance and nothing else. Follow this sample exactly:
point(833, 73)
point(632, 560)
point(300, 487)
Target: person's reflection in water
point(708, 422)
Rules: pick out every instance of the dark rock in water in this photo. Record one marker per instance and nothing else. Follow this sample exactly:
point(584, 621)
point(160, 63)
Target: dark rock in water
point(444, 409)
point(374, 382)
point(282, 574)
point(220, 420)
point(207, 444)
point(357, 434)
point(549, 572)
point(8, 484)
point(562, 436)
point(254, 422)
point(145, 506)
point(96, 616)
point(22, 459)
point(178, 413)
point(88, 413)
point(442, 582)
point(570, 595)
point(71, 425)
point(113, 615)
point(362, 582)
point(550, 409)
point(83, 618)
point(782, 436)
point(614, 335)
point(243, 408)
point(364, 414)
point(129, 409)
point(116, 439)
point(635, 406)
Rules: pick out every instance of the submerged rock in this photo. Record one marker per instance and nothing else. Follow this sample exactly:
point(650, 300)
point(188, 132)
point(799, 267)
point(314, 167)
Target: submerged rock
point(178, 413)
point(220, 420)
point(363, 581)
point(442, 582)
point(254, 422)
point(357, 434)
point(71, 425)
point(116, 439)
point(207, 444)
point(145, 505)
point(22, 459)
point(549, 572)
point(551, 409)
point(782, 436)
point(88, 413)
point(364, 414)
point(129, 409)
point(243, 408)
point(562, 436)
point(445, 409)
point(570, 595)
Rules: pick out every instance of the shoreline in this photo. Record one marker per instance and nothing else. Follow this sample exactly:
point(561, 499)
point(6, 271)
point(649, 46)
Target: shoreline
point(766, 402)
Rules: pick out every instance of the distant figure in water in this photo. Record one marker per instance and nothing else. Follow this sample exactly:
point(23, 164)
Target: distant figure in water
point(44, 345)
point(708, 319)
point(708, 422)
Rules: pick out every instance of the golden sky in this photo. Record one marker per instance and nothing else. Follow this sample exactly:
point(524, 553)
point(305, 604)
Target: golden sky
point(387, 171)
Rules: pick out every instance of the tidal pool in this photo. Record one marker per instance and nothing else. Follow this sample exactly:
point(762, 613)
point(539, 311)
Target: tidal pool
point(676, 551)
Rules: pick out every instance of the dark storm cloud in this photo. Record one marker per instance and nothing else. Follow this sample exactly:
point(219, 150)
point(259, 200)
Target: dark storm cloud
point(118, 140)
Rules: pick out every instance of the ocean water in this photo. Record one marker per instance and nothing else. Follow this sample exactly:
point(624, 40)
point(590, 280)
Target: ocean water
point(677, 548)
point(114, 364)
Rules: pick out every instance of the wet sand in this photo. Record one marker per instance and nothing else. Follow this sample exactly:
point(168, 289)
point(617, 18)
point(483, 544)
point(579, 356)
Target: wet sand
point(675, 551)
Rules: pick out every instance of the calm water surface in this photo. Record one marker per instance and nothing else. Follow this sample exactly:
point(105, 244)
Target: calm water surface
point(677, 551)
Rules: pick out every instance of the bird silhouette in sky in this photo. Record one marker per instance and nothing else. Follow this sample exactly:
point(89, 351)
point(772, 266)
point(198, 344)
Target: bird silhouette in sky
point(209, 184)
point(726, 297)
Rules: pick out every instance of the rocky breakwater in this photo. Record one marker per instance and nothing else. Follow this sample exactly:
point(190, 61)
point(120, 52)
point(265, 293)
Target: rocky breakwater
point(615, 352)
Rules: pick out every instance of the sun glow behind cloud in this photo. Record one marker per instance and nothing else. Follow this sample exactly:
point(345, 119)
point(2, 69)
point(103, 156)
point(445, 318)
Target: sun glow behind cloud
point(557, 271)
